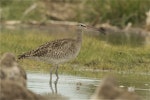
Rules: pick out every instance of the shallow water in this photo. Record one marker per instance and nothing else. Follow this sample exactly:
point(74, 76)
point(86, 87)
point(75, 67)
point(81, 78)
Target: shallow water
point(76, 88)
point(80, 88)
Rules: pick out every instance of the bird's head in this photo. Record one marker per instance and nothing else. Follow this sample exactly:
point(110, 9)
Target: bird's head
point(82, 26)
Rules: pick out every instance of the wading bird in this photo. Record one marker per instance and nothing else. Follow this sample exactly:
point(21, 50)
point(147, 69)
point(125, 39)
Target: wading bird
point(58, 51)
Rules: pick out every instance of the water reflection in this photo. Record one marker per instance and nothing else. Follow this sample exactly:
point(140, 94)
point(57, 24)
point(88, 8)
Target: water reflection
point(54, 89)
point(81, 88)
point(76, 88)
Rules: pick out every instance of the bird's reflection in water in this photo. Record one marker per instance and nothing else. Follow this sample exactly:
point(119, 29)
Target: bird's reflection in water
point(55, 95)
point(54, 89)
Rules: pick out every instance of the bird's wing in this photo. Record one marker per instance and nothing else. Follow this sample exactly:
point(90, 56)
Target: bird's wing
point(49, 47)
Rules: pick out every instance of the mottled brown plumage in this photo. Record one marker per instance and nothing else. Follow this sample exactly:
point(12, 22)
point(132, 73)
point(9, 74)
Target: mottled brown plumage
point(57, 51)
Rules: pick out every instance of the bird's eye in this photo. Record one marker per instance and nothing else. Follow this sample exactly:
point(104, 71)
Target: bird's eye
point(81, 25)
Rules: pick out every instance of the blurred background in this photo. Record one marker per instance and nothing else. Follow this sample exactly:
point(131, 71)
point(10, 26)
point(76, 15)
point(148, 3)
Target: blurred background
point(124, 50)
point(115, 12)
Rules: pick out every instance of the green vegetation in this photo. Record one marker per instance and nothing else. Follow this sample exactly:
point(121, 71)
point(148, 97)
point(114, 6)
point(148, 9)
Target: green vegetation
point(117, 12)
point(14, 10)
point(94, 55)
point(125, 55)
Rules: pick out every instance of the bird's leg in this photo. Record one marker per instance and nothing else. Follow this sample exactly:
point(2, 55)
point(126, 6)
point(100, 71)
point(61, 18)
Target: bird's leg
point(56, 85)
point(51, 72)
point(56, 81)
point(50, 82)
point(56, 72)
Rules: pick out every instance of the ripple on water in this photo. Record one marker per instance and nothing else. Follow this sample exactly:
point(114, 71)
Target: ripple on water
point(76, 88)
point(70, 86)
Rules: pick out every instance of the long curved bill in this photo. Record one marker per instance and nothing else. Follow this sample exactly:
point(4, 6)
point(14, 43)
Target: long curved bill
point(101, 29)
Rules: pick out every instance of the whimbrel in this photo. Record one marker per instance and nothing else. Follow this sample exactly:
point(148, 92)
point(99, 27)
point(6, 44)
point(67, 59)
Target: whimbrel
point(11, 70)
point(58, 51)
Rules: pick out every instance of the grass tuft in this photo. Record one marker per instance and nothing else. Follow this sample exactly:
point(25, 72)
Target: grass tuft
point(94, 54)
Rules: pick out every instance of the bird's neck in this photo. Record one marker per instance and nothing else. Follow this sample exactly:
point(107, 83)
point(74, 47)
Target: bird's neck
point(79, 35)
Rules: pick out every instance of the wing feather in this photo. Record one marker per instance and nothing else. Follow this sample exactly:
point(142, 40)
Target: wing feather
point(49, 47)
